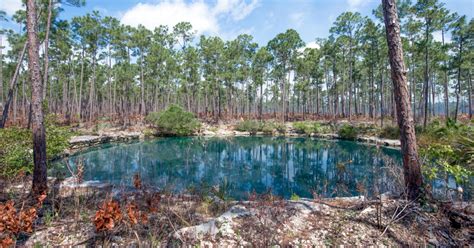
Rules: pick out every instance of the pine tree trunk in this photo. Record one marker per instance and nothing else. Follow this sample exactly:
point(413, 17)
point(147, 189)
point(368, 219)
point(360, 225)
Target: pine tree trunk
point(470, 96)
point(372, 93)
point(446, 82)
point(381, 97)
point(39, 136)
point(260, 114)
point(91, 90)
point(350, 79)
point(142, 87)
point(46, 47)
point(11, 90)
point(81, 83)
point(411, 165)
point(1, 70)
point(426, 83)
point(458, 86)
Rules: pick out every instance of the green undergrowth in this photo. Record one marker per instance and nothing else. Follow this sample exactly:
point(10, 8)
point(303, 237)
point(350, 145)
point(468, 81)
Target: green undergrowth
point(310, 127)
point(174, 121)
point(16, 146)
point(267, 127)
point(447, 149)
point(348, 132)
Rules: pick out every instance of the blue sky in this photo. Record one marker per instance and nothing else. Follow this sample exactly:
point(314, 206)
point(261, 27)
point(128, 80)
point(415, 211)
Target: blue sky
point(227, 18)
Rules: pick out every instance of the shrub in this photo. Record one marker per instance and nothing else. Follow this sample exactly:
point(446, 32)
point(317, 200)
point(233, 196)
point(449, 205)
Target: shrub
point(447, 150)
point(249, 126)
point(16, 152)
point(253, 127)
point(280, 127)
point(390, 132)
point(308, 127)
point(267, 127)
point(442, 160)
point(294, 197)
point(300, 126)
point(347, 132)
point(368, 129)
point(174, 121)
point(16, 147)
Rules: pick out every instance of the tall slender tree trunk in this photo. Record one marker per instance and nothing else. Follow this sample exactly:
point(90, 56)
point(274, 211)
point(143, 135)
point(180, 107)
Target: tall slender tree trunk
point(446, 83)
point(411, 164)
point(350, 78)
point(142, 86)
point(372, 94)
point(1, 70)
point(381, 97)
point(470, 96)
point(39, 185)
point(261, 102)
point(427, 77)
point(91, 90)
point(46, 48)
point(458, 86)
point(81, 83)
point(11, 90)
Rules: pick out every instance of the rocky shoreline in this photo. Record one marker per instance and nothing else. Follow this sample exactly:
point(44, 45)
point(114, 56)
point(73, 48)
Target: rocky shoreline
point(82, 142)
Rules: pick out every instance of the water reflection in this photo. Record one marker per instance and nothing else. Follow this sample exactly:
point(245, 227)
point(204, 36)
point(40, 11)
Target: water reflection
point(244, 164)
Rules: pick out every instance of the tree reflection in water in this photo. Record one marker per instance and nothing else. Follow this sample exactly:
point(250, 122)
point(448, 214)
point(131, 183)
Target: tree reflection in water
point(240, 165)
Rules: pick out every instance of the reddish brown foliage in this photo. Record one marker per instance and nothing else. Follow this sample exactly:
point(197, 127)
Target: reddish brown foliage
point(134, 215)
point(153, 202)
point(12, 223)
point(6, 242)
point(8, 218)
point(27, 218)
point(108, 215)
point(137, 181)
point(41, 199)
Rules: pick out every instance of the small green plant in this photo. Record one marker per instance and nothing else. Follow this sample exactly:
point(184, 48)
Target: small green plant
point(308, 127)
point(149, 132)
point(174, 121)
point(390, 132)
point(213, 129)
point(48, 217)
point(294, 197)
point(442, 160)
point(16, 147)
point(267, 127)
point(280, 127)
point(249, 126)
point(347, 132)
point(300, 127)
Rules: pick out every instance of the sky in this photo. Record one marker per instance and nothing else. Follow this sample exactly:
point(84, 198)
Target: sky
point(263, 19)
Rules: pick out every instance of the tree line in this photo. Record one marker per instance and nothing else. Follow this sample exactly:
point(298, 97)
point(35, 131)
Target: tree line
point(94, 67)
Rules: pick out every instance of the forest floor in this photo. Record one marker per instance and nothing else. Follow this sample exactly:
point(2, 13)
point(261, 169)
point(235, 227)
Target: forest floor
point(84, 215)
point(93, 214)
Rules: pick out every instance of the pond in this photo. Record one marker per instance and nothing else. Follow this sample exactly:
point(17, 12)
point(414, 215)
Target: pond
point(238, 166)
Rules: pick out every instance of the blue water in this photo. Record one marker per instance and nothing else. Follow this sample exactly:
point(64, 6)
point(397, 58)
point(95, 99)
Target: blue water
point(238, 166)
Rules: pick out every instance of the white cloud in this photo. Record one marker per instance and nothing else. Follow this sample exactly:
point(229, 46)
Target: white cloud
point(204, 17)
point(11, 6)
point(312, 44)
point(438, 36)
point(297, 18)
point(238, 9)
point(356, 4)
point(232, 34)
point(170, 13)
